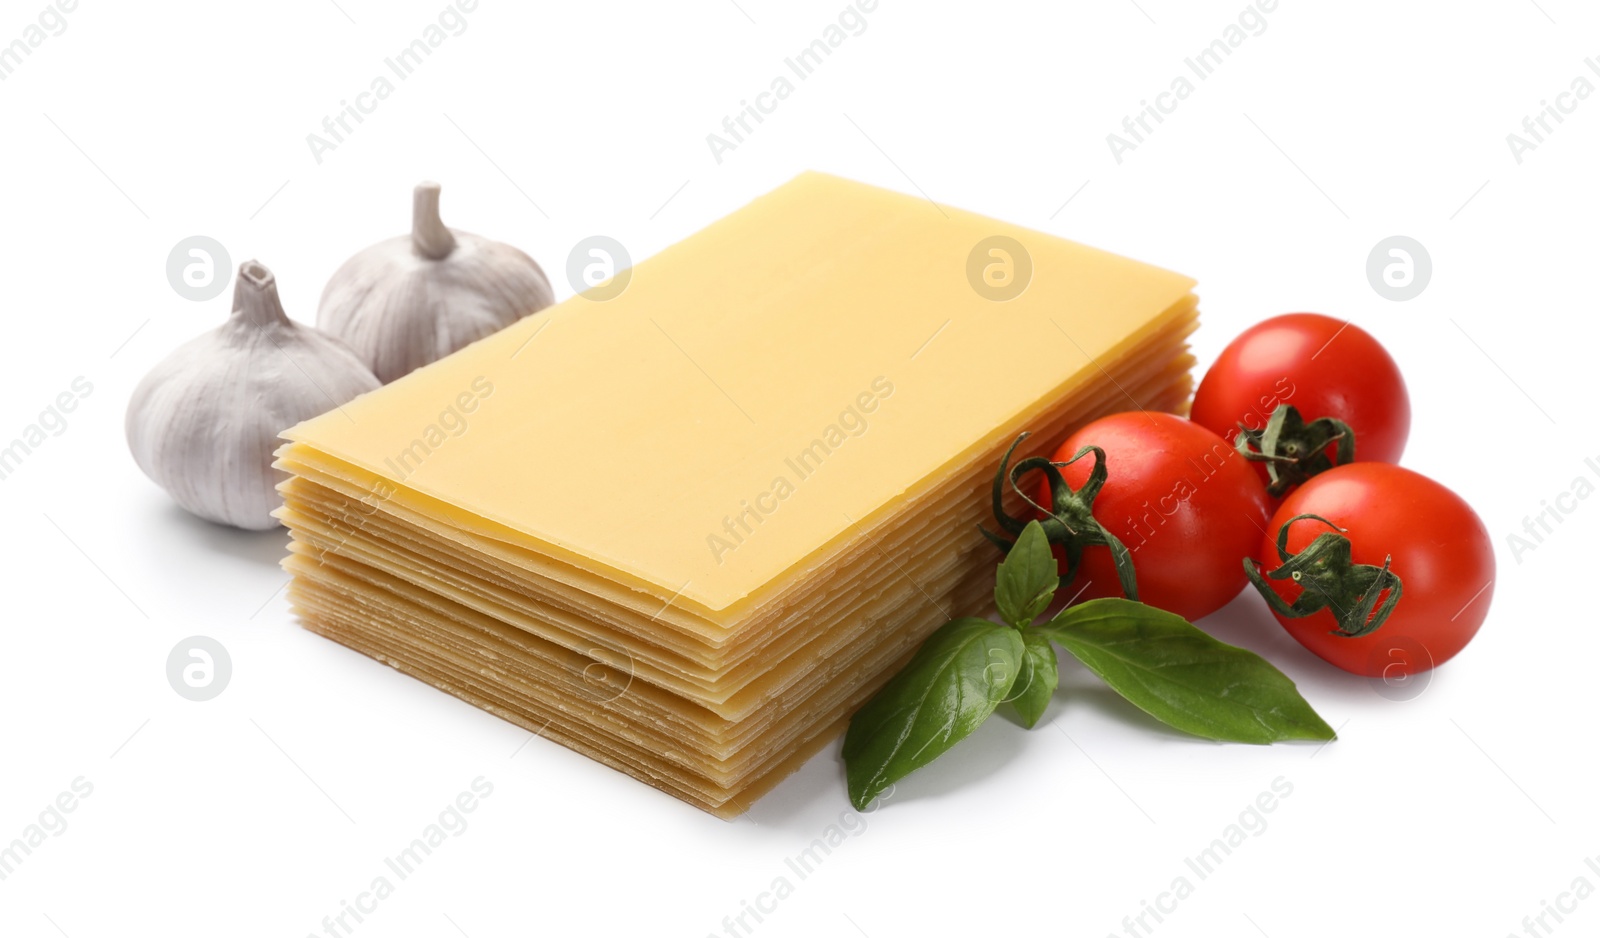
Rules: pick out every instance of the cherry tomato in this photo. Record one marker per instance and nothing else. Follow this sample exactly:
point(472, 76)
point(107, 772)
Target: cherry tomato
point(1435, 544)
point(1323, 366)
point(1184, 503)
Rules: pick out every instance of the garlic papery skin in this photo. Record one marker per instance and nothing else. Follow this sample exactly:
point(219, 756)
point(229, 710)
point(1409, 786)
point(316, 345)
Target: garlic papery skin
point(204, 423)
point(412, 300)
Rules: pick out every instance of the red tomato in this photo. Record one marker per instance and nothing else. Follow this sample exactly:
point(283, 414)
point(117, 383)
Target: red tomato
point(1184, 503)
point(1436, 544)
point(1325, 367)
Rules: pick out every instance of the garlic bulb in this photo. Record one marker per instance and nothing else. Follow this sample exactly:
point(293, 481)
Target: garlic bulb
point(412, 300)
point(204, 423)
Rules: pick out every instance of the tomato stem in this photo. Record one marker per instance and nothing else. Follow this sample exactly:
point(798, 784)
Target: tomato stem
point(1329, 579)
point(1294, 449)
point(1069, 519)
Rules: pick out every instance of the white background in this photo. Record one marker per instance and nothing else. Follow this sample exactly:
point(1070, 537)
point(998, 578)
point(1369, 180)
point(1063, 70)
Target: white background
point(259, 812)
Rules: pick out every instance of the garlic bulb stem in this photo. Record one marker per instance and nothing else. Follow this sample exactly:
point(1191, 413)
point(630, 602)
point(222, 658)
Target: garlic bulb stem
point(255, 296)
point(428, 234)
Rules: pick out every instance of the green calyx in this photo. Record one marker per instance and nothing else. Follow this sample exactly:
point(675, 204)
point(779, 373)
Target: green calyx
point(1295, 450)
point(1329, 579)
point(1070, 521)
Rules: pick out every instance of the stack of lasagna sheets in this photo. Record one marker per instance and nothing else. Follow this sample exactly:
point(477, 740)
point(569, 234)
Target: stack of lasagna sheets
point(688, 529)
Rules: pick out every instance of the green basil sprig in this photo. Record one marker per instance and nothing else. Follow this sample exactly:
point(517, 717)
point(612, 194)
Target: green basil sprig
point(1158, 661)
point(1184, 677)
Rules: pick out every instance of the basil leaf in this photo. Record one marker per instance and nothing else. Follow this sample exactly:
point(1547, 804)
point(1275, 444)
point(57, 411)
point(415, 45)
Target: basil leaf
point(955, 680)
point(1184, 677)
point(1027, 579)
point(1036, 681)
